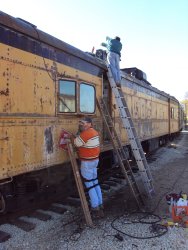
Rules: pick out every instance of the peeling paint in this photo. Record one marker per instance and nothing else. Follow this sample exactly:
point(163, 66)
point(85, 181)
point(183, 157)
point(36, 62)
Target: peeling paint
point(41, 103)
point(4, 92)
point(4, 138)
point(48, 140)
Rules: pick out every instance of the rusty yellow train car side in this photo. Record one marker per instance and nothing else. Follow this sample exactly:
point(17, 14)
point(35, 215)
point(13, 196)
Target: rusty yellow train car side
point(33, 75)
point(47, 85)
point(154, 112)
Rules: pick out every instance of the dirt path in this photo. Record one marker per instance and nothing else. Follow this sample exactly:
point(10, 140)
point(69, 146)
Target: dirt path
point(170, 172)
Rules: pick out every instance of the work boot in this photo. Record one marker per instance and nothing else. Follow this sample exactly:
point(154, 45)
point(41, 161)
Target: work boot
point(101, 211)
point(118, 84)
point(95, 212)
point(101, 206)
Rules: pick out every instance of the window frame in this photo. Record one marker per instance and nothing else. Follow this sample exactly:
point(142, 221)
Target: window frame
point(77, 97)
point(59, 94)
point(79, 86)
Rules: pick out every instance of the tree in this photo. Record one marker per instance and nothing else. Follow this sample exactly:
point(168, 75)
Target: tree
point(185, 105)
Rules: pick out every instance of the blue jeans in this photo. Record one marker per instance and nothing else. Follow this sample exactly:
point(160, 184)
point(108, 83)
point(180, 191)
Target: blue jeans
point(113, 61)
point(89, 172)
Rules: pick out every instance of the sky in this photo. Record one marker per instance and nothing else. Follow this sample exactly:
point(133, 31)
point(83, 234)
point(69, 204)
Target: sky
point(154, 33)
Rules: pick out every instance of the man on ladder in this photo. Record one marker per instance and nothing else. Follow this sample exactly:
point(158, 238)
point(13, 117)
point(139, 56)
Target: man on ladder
point(114, 47)
point(88, 146)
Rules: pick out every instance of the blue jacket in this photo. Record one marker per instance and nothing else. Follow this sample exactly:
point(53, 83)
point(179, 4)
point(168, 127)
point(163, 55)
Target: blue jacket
point(113, 45)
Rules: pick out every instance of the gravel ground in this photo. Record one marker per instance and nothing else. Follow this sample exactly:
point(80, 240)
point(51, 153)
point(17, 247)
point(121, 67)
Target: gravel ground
point(68, 231)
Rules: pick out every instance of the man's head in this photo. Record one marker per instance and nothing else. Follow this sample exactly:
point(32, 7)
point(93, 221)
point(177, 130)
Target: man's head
point(85, 123)
point(117, 38)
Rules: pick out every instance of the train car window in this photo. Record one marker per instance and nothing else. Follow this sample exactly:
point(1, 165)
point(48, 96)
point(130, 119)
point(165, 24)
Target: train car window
point(67, 96)
point(87, 98)
point(172, 113)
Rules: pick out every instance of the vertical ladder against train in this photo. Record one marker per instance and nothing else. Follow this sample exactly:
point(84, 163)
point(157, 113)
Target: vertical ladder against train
point(120, 152)
point(79, 185)
point(132, 135)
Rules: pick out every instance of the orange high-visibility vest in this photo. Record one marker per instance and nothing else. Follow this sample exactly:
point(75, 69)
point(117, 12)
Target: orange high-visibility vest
point(88, 144)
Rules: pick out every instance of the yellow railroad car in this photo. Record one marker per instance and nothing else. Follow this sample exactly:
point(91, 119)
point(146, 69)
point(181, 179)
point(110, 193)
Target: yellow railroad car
point(46, 85)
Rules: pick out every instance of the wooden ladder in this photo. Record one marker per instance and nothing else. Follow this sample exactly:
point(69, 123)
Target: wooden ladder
point(121, 154)
point(79, 185)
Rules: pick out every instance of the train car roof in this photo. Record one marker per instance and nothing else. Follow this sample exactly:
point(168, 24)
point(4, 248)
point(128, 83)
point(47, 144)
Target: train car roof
point(146, 85)
point(31, 30)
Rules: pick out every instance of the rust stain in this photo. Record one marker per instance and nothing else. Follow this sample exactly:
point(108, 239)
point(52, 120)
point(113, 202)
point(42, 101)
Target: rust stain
point(41, 104)
point(4, 139)
point(8, 161)
point(4, 92)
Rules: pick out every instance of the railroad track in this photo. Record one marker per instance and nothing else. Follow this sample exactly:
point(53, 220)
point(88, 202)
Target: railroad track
point(22, 219)
point(110, 185)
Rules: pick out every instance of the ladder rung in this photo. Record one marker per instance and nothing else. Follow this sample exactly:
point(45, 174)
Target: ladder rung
point(124, 160)
point(149, 180)
point(137, 194)
point(133, 182)
point(151, 190)
point(126, 117)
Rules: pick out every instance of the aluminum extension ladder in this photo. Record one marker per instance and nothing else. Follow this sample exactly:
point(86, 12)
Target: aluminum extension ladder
point(79, 185)
point(132, 135)
point(120, 152)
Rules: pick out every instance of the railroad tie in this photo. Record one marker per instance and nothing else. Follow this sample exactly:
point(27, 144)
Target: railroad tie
point(4, 236)
point(111, 183)
point(40, 216)
point(22, 224)
point(71, 201)
point(57, 209)
point(105, 187)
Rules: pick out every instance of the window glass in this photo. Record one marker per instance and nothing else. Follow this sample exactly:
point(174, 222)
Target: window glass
point(67, 96)
point(87, 98)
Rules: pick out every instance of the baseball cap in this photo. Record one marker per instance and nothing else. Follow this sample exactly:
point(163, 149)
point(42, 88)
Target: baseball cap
point(86, 119)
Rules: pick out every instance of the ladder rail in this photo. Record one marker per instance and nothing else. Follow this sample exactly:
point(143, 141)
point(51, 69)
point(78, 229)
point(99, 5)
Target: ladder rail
point(79, 185)
point(136, 145)
point(132, 135)
point(120, 144)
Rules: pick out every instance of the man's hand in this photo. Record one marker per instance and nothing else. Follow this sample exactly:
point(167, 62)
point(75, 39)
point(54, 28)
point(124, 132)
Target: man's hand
point(67, 140)
point(70, 138)
point(103, 44)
